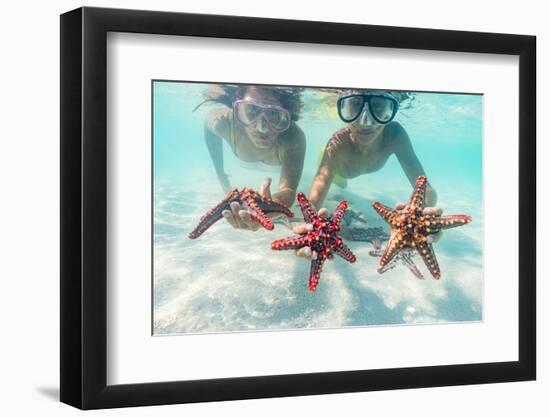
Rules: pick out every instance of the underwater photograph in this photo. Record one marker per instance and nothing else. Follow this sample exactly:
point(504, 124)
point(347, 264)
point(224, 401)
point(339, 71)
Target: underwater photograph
point(289, 208)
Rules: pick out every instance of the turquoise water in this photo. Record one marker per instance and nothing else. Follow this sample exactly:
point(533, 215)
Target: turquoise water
point(230, 280)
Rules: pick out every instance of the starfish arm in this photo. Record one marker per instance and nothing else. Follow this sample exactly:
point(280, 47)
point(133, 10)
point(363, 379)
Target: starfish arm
point(270, 206)
point(315, 271)
point(307, 210)
point(288, 243)
point(322, 239)
point(213, 215)
point(257, 213)
point(391, 250)
point(450, 221)
point(418, 197)
point(427, 253)
point(343, 251)
point(384, 211)
point(339, 212)
point(411, 227)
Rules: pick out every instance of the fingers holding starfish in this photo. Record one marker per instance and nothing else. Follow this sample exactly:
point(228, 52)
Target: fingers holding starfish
point(427, 211)
point(320, 238)
point(305, 228)
point(416, 227)
point(244, 209)
point(247, 214)
point(435, 211)
point(265, 191)
point(239, 215)
point(306, 252)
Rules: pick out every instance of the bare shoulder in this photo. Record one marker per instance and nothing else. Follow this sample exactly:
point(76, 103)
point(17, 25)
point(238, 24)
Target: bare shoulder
point(395, 135)
point(218, 121)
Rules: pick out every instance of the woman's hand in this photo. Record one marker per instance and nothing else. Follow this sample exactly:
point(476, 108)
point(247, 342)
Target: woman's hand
point(240, 214)
point(302, 229)
point(437, 211)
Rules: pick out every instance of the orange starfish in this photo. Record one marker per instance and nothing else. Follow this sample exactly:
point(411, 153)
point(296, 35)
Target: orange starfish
point(411, 228)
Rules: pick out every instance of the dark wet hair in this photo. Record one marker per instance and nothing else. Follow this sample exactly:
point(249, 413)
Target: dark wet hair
point(405, 98)
point(226, 94)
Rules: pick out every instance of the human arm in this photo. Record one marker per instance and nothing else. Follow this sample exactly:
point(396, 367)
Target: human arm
point(401, 145)
point(319, 189)
point(323, 180)
point(213, 129)
point(291, 154)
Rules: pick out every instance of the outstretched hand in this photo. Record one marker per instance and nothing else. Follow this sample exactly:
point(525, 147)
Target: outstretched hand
point(240, 214)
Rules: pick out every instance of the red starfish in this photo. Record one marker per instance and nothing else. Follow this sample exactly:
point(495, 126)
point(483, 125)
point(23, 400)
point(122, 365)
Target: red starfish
point(323, 239)
point(411, 228)
point(259, 207)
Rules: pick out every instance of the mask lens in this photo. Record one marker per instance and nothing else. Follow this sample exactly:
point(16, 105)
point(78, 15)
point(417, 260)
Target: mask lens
point(350, 107)
point(279, 119)
point(247, 113)
point(382, 108)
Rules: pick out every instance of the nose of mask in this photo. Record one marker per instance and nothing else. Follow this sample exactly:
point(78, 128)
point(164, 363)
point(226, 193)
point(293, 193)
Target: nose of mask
point(366, 119)
point(262, 125)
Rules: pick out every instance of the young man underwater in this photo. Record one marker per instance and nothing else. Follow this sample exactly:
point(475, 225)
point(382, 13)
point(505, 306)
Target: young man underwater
point(363, 146)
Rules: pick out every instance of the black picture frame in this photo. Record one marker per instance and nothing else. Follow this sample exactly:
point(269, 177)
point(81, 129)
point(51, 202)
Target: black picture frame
point(84, 207)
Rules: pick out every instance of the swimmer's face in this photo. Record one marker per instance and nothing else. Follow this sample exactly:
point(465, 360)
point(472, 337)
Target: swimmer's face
point(365, 124)
point(261, 133)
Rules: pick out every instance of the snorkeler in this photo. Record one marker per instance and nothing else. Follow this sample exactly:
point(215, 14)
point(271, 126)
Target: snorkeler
point(363, 147)
point(259, 125)
point(366, 143)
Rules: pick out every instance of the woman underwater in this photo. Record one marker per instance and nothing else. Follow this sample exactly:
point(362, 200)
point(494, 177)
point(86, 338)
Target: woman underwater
point(363, 146)
point(259, 125)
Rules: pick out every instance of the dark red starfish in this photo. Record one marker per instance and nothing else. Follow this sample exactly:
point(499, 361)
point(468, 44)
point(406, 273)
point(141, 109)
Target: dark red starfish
point(259, 207)
point(411, 228)
point(323, 239)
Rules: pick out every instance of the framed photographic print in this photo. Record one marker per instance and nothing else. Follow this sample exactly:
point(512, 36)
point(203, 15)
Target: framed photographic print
point(256, 207)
